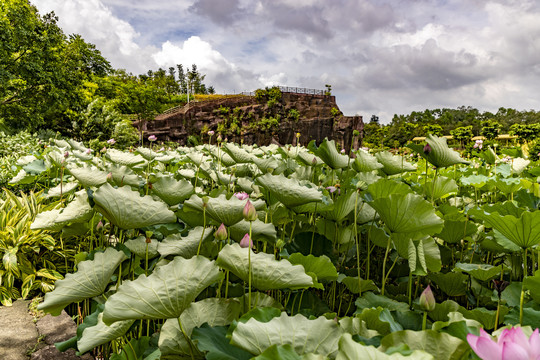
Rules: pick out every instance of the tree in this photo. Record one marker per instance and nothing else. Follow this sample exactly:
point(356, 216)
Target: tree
point(434, 129)
point(461, 134)
point(490, 129)
point(374, 119)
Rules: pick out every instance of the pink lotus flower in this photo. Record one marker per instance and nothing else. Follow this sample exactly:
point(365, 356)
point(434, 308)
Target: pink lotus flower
point(512, 344)
point(211, 132)
point(241, 195)
point(152, 138)
point(246, 242)
point(111, 141)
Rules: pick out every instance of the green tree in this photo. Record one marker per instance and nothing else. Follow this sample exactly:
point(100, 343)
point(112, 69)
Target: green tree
point(490, 129)
point(433, 129)
point(525, 132)
point(462, 134)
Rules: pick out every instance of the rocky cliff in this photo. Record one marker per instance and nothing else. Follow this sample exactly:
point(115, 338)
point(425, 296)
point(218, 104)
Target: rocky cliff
point(258, 120)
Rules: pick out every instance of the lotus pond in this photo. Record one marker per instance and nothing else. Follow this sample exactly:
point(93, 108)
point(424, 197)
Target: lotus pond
point(243, 252)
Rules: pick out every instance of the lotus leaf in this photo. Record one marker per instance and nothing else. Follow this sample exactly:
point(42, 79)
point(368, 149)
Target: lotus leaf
point(351, 350)
point(452, 284)
point(409, 214)
point(440, 155)
point(220, 209)
point(165, 293)
point(519, 164)
point(289, 191)
point(484, 316)
point(321, 266)
point(88, 176)
point(532, 283)
point(456, 229)
point(36, 167)
point(308, 158)
point(78, 210)
point(126, 209)
point(393, 164)
point(259, 231)
point(184, 246)
point(91, 279)
point(123, 175)
point(139, 247)
point(330, 155)
point(101, 333)
point(214, 341)
point(385, 187)
point(267, 273)
point(62, 189)
point(170, 190)
point(319, 336)
point(123, 157)
point(370, 300)
point(477, 181)
point(213, 311)
point(238, 154)
point(441, 188)
point(524, 231)
point(364, 161)
point(146, 153)
point(509, 185)
point(440, 345)
point(482, 272)
point(343, 206)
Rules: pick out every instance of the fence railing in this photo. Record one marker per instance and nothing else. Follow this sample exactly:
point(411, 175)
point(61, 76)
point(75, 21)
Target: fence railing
point(295, 90)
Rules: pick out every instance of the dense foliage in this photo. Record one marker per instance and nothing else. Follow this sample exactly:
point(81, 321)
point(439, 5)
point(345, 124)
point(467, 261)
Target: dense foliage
point(228, 251)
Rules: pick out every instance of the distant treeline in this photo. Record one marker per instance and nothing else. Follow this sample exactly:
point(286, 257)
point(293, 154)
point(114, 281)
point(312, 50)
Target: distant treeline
point(463, 123)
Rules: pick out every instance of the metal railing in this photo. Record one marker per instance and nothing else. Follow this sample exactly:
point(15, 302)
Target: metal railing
point(294, 90)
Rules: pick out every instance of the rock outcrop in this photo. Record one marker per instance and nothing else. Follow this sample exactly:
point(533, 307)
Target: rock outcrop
point(258, 121)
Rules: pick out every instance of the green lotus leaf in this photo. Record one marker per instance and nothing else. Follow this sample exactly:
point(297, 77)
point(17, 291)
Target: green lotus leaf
point(440, 155)
point(146, 153)
point(385, 187)
point(451, 283)
point(220, 209)
point(74, 144)
point(282, 352)
point(505, 208)
point(259, 231)
point(91, 279)
point(266, 164)
point(442, 188)
point(365, 213)
point(126, 209)
point(353, 286)
point(88, 176)
point(171, 190)
point(482, 272)
point(524, 231)
point(351, 350)
point(484, 316)
point(78, 210)
point(101, 333)
point(440, 345)
point(456, 229)
point(370, 300)
point(477, 181)
point(532, 283)
point(36, 167)
point(238, 154)
point(409, 214)
point(289, 191)
point(355, 326)
point(267, 273)
point(216, 344)
point(393, 164)
point(123, 157)
point(165, 159)
point(319, 336)
point(330, 155)
point(184, 246)
point(343, 206)
point(423, 255)
point(139, 247)
point(364, 161)
point(62, 189)
point(82, 155)
point(379, 319)
point(22, 178)
point(308, 158)
point(165, 293)
point(319, 265)
point(123, 175)
point(509, 185)
point(213, 311)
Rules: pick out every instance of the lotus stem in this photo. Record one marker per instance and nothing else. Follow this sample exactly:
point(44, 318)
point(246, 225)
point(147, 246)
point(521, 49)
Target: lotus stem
point(424, 321)
point(204, 228)
point(522, 295)
point(249, 267)
point(357, 244)
point(188, 340)
point(384, 266)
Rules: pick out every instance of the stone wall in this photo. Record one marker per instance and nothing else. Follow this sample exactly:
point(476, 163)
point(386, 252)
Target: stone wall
point(316, 121)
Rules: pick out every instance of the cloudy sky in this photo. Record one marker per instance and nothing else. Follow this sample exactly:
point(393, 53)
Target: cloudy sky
point(382, 57)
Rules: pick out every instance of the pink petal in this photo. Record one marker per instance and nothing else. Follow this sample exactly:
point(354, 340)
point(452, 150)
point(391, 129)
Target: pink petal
point(514, 335)
point(512, 351)
point(487, 349)
point(534, 345)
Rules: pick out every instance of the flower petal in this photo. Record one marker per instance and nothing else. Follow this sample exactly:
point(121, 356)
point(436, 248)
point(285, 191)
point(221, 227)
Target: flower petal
point(534, 345)
point(512, 351)
point(488, 349)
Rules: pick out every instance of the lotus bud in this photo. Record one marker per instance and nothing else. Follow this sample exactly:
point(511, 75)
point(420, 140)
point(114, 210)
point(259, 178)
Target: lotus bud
point(109, 177)
point(246, 242)
point(361, 185)
point(211, 132)
point(427, 299)
point(219, 138)
point(66, 154)
point(148, 235)
point(500, 285)
point(103, 150)
point(314, 161)
point(250, 213)
point(221, 233)
point(88, 151)
point(342, 151)
point(298, 135)
point(111, 141)
point(427, 149)
point(99, 226)
point(152, 138)
point(205, 200)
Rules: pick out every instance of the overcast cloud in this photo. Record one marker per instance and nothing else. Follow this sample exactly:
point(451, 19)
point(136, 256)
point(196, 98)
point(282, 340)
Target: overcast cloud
point(381, 57)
